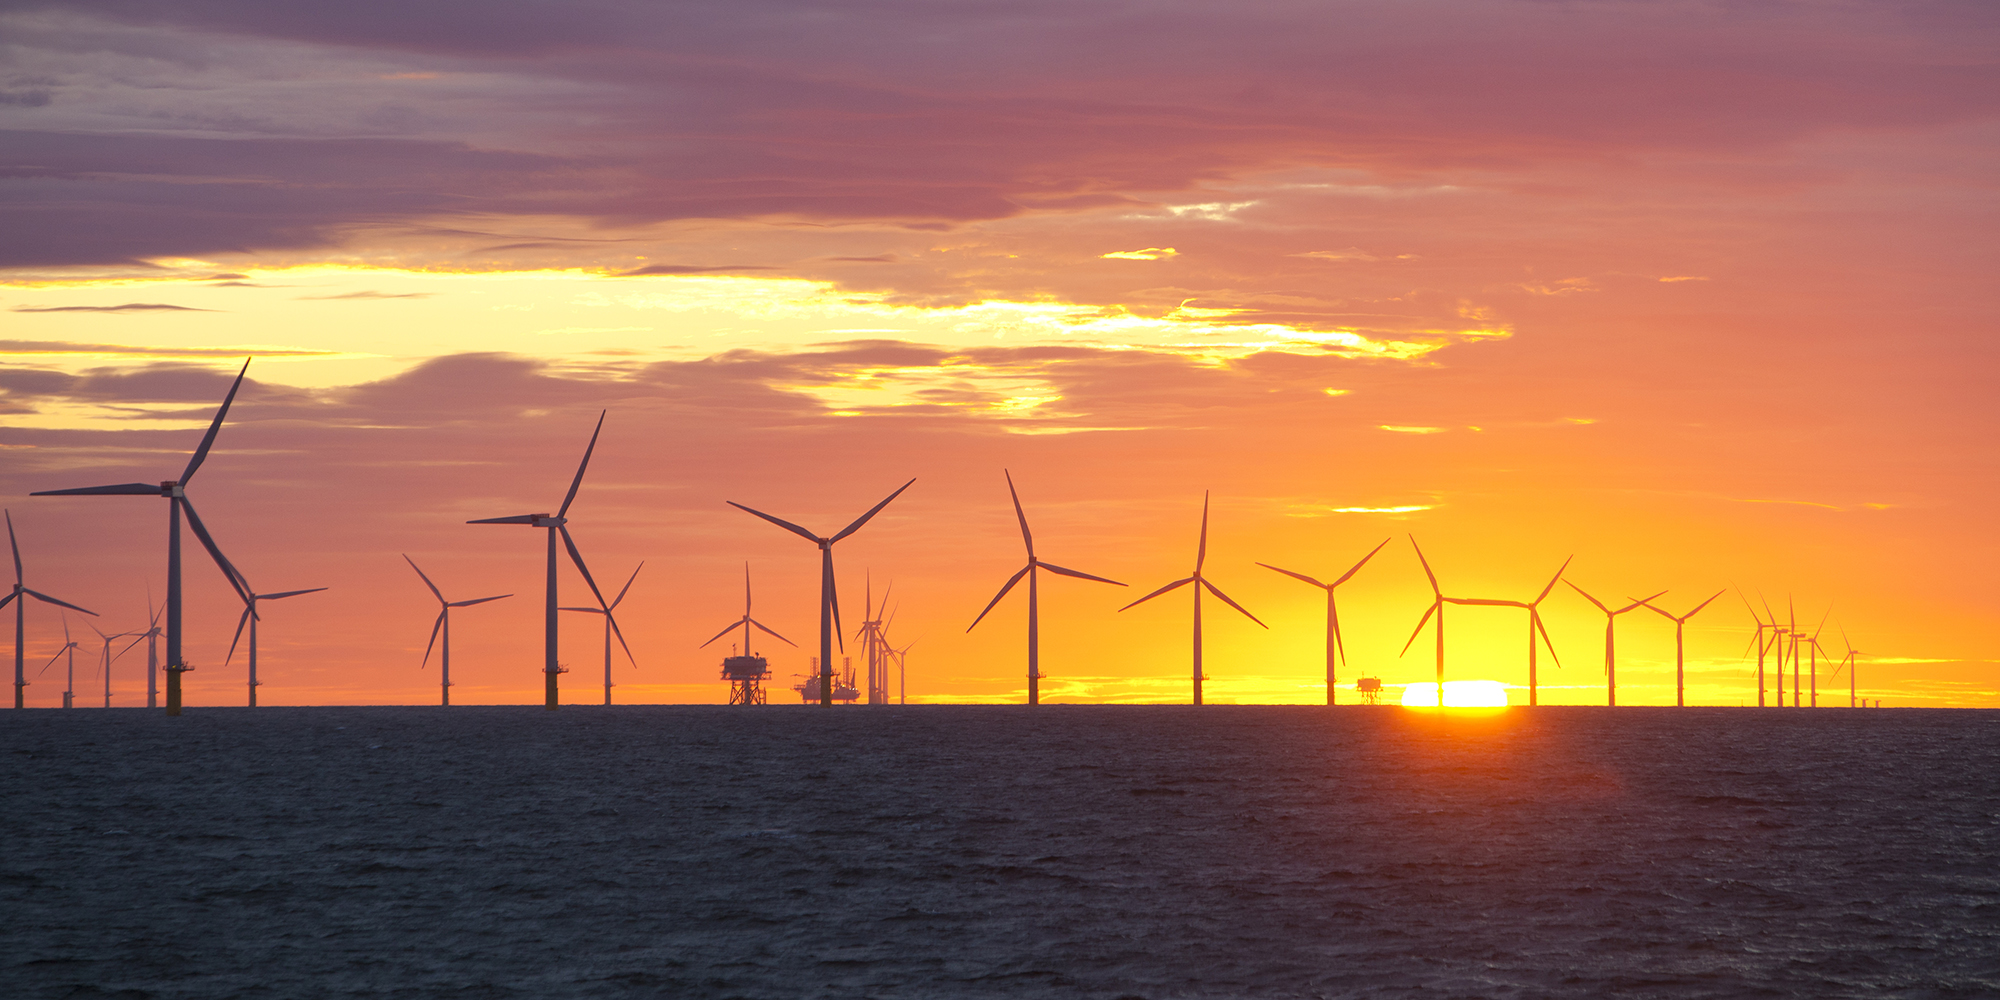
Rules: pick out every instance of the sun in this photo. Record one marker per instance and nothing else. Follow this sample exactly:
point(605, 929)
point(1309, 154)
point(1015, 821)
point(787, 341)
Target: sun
point(1457, 694)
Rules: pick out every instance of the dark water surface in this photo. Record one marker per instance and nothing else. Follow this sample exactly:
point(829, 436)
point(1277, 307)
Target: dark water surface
point(1001, 851)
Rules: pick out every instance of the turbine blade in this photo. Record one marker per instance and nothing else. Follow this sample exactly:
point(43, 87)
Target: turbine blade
point(1296, 576)
point(1698, 607)
point(577, 483)
point(1552, 580)
point(1544, 630)
point(628, 584)
point(476, 600)
point(1421, 622)
point(1026, 538)
point(435, 626)
point(779, 521)
point(872, 511)
point(1333, 616)
point(1587, 597)
point(426, 579)
point(16, 546)
point(1344, 577)
point(128, 648)
point(1053, 568)
point(516, 519)
point(288, 593)
point(620, 633)
point(46, 599)
point(120, 490)
point(775, 635)
point(833, 595)
point(1201, 550)
point(1635, 605)
point(577, 558)
point(1650, 607)
point(5, 600)
point(229, 571)
point(731, 627)
point(1435, 592)
point(1011, 581)
point(240, 622)
point(1213, 589)
point(1177, 583)
point(1822, 622)
point(208, 440)
point(587, 611)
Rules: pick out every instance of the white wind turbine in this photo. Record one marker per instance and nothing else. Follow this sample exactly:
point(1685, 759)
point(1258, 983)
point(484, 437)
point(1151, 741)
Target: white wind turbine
point(19, 596)
point(611, 628)
point(1200, 582)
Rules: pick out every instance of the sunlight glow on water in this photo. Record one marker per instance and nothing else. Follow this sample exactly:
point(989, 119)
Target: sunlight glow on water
point(1457, 694)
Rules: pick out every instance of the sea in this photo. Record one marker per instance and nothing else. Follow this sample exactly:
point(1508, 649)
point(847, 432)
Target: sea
point(999, 851)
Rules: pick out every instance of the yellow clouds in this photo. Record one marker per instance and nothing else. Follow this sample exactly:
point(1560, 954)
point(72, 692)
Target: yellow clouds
point(1410, 429)
point(1150, 253)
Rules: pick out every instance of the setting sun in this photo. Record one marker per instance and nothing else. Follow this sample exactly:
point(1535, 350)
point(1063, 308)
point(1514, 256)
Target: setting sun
point(1457, 694)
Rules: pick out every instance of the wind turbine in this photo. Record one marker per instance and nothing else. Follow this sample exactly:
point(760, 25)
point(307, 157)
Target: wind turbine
point(1034, 614)
point(1812, 641)
point(829, 597)
point(175, 490)
point(69, 646)
point(1438, 601)
point(1610, 639)
point(1680, 680)
point(611, 627)
point(1758, 638)
point(105, 659)
point(19, 596)
point(152, 637)
point(1535, 625)
point(1851, 662)
point(1200, 582)
point(443, 622)
point(1333, 643)
point(555, 525)
point(875, 644)
point(251, 617)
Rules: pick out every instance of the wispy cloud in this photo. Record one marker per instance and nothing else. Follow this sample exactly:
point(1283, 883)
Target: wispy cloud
point(127, 307)
point(1411, 429)
point(1150, 253)
point(122, 350)
point(366, 295)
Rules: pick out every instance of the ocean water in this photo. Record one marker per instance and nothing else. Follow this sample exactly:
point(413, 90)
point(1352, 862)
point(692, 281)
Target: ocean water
point(1100, 851)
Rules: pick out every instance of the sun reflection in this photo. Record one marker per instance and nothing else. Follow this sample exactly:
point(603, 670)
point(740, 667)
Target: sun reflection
point(1457, 694)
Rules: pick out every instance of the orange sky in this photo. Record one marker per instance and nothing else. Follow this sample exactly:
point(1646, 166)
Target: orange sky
point(1701, 296)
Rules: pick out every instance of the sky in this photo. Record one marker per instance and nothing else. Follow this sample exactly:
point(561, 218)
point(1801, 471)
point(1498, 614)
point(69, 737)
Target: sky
point(1697, 295)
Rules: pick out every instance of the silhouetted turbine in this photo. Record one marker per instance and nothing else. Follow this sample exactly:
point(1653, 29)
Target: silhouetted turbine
point(611, 628)
point(443, 622)
point(177, 503)
point(1438, 601)
point(251, 618)
point(1758, 638)
point(1031, 570)
point(1851, 663)
point(1333, 644)
point(829, 597)
point(1610, 639)
point(1680, 623)
point(1200, 582)
point(19, 596)
point(106, 658)
point(555, 523)
point(1534, 626)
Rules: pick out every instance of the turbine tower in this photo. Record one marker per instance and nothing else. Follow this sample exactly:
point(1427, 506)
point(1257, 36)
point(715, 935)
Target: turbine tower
point(152, 638)
point(1680, 649)
point(611, 628)
point(1200, 582)
point(1814, 649)
point(19, 596)
point(175, 490)
point(1031, 570)
point(443, 622)
point(746, 671)
point(1610, 639)
point(1535, 625)
point(251, 617)
point(1851, 662)
point(555, 523)
point(1333, 644)
point(829, 596)
point(875, 644)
